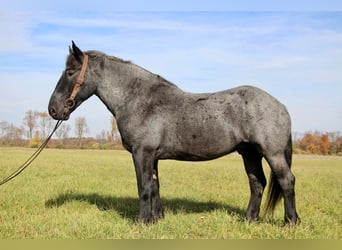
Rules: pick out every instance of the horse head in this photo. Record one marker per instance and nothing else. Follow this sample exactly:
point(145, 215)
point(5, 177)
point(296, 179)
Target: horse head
point(75, 85)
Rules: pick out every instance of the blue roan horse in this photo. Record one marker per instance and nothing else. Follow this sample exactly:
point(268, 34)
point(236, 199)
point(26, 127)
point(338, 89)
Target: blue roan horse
point(157, 120)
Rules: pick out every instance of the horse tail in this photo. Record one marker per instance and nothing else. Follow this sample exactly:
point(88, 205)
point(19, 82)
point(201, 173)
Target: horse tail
point(275, 191)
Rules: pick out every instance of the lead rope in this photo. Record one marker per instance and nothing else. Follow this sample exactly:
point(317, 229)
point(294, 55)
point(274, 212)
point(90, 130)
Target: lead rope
point(32, 157)
point(68, 105)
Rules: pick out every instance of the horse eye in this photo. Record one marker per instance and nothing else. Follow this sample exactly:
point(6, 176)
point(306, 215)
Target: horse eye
point(70, 72)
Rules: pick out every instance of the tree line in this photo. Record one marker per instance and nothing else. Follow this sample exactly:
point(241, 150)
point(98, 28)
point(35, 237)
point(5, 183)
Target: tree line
point(329, 143)
point(36, 126)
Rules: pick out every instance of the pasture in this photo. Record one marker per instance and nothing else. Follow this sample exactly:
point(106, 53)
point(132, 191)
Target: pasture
point(92, 194)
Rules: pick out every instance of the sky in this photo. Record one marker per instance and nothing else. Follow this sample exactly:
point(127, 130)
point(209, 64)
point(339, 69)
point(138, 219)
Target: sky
point(294, 52)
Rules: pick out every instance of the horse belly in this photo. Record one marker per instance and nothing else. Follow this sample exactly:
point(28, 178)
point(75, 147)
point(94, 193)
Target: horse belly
point(199, 142)
point(194, 151)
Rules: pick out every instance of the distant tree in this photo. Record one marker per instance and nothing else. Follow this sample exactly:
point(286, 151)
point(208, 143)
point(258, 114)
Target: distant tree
point(338, 145)
point(3, 129)
point(335, 141)
point(17, 134)
point(103, 136)
point(308, 143)
point(318, 143)
point(10, 134)
point(63, 131)
point(5, 133)
point(45, 124)
point(81, 128)
point(30, 120)
point(324, 144)
point(35, 141)
point(114, 132)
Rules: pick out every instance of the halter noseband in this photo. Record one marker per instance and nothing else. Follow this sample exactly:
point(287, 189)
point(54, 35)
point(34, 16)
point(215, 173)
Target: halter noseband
point(69, 103)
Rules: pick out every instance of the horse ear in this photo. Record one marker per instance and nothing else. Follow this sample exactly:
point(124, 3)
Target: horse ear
point(77, 52)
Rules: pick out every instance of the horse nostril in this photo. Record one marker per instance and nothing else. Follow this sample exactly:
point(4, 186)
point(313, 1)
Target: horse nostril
point(52, 112)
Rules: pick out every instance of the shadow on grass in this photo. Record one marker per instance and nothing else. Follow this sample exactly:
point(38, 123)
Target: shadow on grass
point(128, 207)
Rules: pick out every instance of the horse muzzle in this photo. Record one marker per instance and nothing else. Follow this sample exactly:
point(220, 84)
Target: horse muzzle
point(59, 114)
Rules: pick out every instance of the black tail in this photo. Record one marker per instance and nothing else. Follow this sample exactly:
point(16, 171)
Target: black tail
point(274, 191)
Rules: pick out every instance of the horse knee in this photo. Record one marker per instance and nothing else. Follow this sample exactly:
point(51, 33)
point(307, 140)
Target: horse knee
point(257, 185)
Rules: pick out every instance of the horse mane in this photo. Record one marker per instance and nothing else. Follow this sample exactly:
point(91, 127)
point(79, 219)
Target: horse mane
point(117, 59)
point(96, 53)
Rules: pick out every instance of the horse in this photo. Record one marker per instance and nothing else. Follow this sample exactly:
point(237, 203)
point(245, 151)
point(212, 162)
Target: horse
point(157, 120)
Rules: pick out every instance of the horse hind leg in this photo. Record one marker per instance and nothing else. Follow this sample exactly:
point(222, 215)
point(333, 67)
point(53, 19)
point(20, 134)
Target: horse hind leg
point(257, 181)
point(282, 184)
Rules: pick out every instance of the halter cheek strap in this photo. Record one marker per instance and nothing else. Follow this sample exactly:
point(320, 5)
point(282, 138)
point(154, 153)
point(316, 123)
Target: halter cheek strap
point(70, 102)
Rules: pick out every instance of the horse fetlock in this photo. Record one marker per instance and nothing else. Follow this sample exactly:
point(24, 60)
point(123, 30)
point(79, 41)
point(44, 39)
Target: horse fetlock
point(252, 213)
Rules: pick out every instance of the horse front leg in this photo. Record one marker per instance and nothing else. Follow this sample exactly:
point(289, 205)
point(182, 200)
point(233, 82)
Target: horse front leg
point(146, 168)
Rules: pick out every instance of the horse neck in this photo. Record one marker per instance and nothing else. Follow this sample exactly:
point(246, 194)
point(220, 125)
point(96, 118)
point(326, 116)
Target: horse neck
point(123, 82)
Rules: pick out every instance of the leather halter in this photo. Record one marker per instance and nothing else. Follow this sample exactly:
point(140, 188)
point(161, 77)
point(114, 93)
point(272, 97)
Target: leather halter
point(70, 102)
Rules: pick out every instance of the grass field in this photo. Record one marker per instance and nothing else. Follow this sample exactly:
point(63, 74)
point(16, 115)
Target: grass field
point(85, 194)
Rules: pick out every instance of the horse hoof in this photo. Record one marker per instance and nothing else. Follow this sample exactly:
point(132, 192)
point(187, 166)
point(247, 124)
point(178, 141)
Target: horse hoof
point(253, 220)
point(148, 220)
point(292, 222)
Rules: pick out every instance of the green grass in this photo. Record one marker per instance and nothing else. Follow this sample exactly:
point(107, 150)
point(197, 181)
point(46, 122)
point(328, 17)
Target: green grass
point(85, 194)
